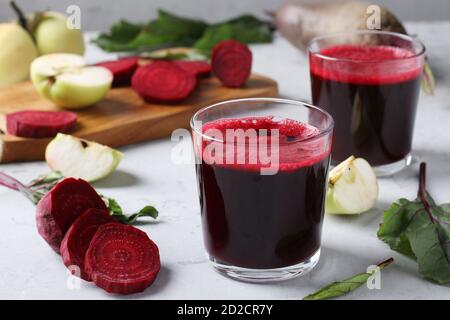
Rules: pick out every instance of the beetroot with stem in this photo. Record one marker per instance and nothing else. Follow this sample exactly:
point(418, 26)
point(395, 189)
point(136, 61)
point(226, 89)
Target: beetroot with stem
point(122, 259)
point(77, 239)
point(61, 206)
point(232, 63)
point(40, 124)
point(163, 81)
point(122, 70)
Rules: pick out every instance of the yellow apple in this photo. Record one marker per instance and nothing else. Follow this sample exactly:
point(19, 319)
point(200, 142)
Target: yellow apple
point(80, 158)
point(16, 54)
point(53, 36)
point(64, 79)
point(352, 187)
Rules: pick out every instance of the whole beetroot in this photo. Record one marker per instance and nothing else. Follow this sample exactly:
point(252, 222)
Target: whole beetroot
point(300, 21)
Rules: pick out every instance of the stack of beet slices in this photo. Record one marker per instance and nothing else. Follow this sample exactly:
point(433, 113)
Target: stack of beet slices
point(167, 81)
point(74, 220)
point(161, 81)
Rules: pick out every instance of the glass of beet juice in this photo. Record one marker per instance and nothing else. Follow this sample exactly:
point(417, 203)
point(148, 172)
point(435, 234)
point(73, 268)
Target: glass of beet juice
point(262, 168)
point(369, 81)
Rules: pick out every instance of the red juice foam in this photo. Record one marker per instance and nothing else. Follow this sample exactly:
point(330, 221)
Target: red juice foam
point(291, 155)
point(372, 94)
point(265, 221)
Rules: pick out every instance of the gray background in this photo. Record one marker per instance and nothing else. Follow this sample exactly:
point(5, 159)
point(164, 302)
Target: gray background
point(100, 14)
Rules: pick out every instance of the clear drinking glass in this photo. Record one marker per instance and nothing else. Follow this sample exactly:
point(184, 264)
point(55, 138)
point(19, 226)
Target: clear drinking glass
point(262, 166)
point(369, 81)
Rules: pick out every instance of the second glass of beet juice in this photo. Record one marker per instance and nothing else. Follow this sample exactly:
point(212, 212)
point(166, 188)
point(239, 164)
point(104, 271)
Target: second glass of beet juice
point(262, 167)
point(369, 81)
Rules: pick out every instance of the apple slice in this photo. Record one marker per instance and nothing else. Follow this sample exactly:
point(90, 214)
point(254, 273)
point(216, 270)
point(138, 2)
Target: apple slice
point(65, 80)
point(352, 187)
point(79, 158)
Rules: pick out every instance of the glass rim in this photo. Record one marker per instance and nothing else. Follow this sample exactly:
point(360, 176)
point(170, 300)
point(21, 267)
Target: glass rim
point(322, 133)
point(316, 53)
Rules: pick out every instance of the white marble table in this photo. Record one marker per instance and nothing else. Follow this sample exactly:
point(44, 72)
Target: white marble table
point(29, 269)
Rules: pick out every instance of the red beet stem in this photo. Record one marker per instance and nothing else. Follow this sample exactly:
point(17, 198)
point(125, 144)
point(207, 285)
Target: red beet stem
point(122, 259)
point(16, 185)
point(40, 124)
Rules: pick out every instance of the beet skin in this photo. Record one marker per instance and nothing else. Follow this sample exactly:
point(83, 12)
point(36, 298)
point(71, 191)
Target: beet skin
point(61, 206)
point(77, 239)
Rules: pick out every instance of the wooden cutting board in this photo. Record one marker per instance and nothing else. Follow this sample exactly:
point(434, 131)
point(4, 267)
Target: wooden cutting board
point(122, 118)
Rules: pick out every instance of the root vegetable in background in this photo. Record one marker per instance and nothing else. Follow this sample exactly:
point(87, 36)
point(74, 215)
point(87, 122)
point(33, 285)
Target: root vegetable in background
point(300, 21)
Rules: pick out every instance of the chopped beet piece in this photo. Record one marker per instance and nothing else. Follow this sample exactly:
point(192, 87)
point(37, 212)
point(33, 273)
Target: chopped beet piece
point(40, 124)
point(232, 63)
point(163, 81)
point(122, 259)
point(61, 206)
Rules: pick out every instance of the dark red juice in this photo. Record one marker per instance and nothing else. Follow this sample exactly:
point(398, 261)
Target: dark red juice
point(372, 94)
point(265, 221)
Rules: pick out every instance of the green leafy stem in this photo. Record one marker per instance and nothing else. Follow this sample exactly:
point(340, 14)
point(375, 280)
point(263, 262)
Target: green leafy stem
point(169, 30)
point(420, 229)
point(340, 288)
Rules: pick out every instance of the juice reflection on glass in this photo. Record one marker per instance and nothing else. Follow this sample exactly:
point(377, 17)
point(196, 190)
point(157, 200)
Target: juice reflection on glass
point(261, 224)
point(369, 81)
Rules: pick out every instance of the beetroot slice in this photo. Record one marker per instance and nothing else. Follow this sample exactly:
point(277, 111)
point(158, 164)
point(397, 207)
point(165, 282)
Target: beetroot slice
point(197, 67)
point(77, 239)
point(163, 81)
point(122, 259)
point(232, 63)
point(61, 206)
point(122, 70)
point(40, 124)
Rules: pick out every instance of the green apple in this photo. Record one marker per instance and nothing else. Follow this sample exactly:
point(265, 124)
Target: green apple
point(64, 79)
point(53, 36)
point(79, 158)
point(352, 187)
point(16, 54)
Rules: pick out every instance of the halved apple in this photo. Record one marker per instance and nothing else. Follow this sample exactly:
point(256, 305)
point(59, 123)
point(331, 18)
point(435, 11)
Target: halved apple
point(79, 158)
point(352, 187)
point(65, 80)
